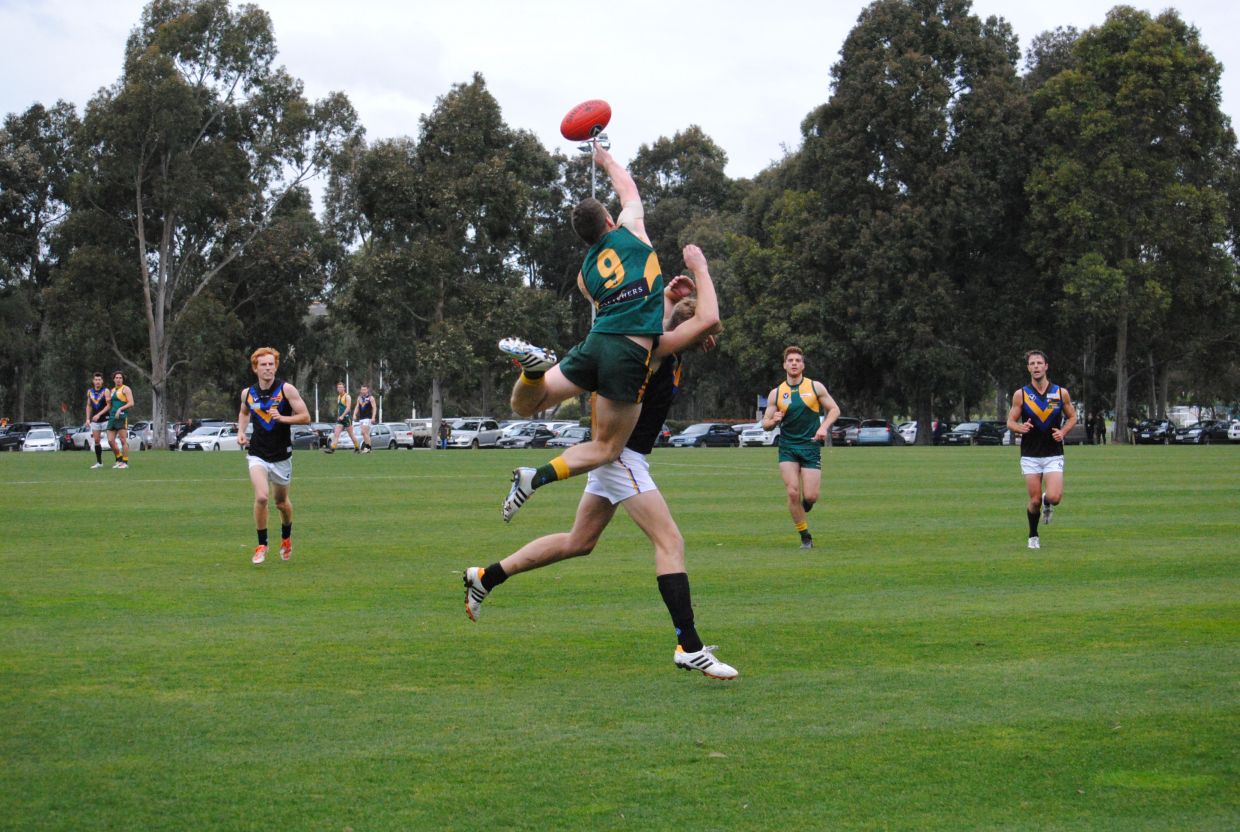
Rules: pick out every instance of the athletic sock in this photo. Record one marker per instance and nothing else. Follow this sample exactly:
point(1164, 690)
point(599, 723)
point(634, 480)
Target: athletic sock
point(1046, 501)
point(286, 531)
point(807, 506)
point(1033, 522)
point(262, 537)
point(675, 591)
point(553, 471)
point(99, 454)
point(803, 528)
point(493, 576)
point(531, 376)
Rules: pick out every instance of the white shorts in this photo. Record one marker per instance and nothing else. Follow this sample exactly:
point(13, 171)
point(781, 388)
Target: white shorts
point(281, 473)
point(364, 423)
point(1030, 465)
point(627, 477)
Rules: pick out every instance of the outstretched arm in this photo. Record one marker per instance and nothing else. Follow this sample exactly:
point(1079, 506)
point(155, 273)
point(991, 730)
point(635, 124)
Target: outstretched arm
point(705, 320)
point(631, 215)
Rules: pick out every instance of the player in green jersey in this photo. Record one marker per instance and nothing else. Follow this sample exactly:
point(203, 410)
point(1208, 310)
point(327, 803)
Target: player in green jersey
point(796, 406)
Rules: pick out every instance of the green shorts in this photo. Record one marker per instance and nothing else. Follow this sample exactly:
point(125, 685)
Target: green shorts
point(610, 365)
point(118, 422)
point(345, 421)
point(807, 456)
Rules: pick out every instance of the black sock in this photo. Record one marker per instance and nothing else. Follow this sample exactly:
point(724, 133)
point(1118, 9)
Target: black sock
point(533, 375)
point(805, 535)
point(286, 531)
point(807, 506)
point(262, 537)
point(675, 591)
point(99, 454)
point(1046, 501)
point(1033, 522)
point(493, 576)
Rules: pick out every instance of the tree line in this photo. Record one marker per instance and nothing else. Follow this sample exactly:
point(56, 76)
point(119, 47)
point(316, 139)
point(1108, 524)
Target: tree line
point(949, 207)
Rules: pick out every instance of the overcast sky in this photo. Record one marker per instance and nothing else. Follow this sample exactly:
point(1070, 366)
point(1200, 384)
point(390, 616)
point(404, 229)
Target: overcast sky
point(747, 72)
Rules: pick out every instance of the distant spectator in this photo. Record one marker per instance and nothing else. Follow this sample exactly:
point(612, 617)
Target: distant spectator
point(445, 430)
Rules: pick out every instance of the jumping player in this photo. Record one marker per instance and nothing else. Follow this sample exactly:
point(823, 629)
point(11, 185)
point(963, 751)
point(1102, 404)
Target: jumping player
point(344, 419)
point(97, 406)
point(364, 414)
point(627, 482)
point(120, 400)
point(795, 406)
point(275, 405)
point(1043, 414)
point(622, 279)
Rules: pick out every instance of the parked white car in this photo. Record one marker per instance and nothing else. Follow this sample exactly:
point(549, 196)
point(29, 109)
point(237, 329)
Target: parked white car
point(908, 431)
point(474, 433)
point(212, 438)
point(402, 435)
point(41, 439)
point(754, 435)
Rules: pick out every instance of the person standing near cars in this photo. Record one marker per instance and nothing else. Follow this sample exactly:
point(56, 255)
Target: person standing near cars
point(796, 407)
point(364, 415)
point(120, 400)
point(1043, 414)
point(97, 404)
point(344, 419)
point(274, 405)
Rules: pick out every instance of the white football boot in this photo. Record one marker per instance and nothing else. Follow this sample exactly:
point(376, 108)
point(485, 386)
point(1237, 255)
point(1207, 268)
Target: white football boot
point(522, 488)
point(1034, 543)
point(474, 593)
point(531, 358)
point(705, 661)
point(1048, 511)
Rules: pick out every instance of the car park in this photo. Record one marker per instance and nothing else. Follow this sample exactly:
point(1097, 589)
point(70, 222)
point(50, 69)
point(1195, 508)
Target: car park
point(474, 432)
point(529, 435)
point(1153, 432)
point(402, 435)
point(756, 435)
point(840, 428)
point(324, 430)
point(421, 431)
point(64, 437)
point(1233, 431)
point(878, 432)
point(1205, 432)
point(574, 435)
point(41, 439)
point(11, 439)
point(212, 438)
point(664, 438)
point(908, 430)
point(975, 433)
point(304, 438)
point(706, 434)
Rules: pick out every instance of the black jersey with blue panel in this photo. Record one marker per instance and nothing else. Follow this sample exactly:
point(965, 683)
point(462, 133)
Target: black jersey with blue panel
point(271, 440)
point(1045, 412)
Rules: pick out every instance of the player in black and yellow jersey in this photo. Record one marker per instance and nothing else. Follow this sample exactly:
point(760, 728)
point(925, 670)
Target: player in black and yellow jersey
point(274, 405)
point(97, 406)
point(627, 481)
point(622, 280)
point(804, 412)
point(120, 401)
point(1042, 414)
point(344, 419)
point(364, 415)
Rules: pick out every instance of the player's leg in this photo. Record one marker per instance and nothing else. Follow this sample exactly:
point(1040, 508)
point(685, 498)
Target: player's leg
point(541, 392)
point(593, 515)
point(279, 493)
point(116, 448)
point(96, 437)
point(335, 438)
point(790, 472)
point(357, 446)
point(258, 478)
point(1052, 484)
point(811, 485)
point(366, 435)
point(1033, 507)
point(123, 433)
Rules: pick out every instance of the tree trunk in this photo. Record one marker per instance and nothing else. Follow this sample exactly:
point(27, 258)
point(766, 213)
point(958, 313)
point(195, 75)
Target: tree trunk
point(436, 410)
point(19, 381)
point(925, 419)
point(1164, 387)
point(1121, 369)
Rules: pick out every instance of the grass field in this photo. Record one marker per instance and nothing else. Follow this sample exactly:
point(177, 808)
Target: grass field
point(921, 670)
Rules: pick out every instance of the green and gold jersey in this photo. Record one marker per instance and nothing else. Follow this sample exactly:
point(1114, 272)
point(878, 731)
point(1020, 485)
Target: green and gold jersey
point(118, 400)
point(343, 403)
point(623, 276)
point(801, 410)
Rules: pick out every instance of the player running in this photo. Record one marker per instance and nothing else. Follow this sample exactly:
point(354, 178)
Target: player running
point(627, 481)
point(795, 406)
point(1042, 414)
point(97, 406)
point(120, 400)
point(364, 414)
point(622, 278)
point(275, 405)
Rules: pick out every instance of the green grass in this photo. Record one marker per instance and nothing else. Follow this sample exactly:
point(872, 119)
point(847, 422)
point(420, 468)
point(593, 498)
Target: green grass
point(920, 670)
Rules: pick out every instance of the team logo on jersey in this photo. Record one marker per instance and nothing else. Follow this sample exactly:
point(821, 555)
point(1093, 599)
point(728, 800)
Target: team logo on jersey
point(265, 408)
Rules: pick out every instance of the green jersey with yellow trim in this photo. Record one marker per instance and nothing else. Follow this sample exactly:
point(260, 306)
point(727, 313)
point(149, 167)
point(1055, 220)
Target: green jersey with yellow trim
point(623, 276)
point(801, 410)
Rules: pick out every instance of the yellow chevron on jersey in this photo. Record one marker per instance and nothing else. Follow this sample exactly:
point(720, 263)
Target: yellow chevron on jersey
point(805, 390)
point(1042, 407)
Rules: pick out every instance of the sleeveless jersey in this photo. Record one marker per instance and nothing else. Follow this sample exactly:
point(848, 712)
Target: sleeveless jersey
point(366, 407)
point(271, 440)
point(118, 401)
point(343, 403)
point(801, 409)
point(97, 401)
point(661, 391)
point(1045, 411)
point(623, 276)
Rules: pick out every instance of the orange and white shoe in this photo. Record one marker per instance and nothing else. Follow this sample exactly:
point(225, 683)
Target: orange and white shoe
point(705, 661)
point(286, 549)
point(474, 592)
point(260, 555)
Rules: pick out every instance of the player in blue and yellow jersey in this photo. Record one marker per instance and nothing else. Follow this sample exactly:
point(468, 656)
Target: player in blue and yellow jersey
point(626, 481)
point(622, 280)
point(344, 419)
point(274, 405)
point(364, 415)
point(1042, 414)
point(804, 412)
point(120, 401)
point(97, 406)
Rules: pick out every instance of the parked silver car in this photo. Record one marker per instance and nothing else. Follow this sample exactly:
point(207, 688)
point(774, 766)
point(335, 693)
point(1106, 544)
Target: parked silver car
point(474, 432)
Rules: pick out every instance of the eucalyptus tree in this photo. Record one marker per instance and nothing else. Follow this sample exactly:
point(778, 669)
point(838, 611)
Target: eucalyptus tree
point(1130, 206)
point(192, 153)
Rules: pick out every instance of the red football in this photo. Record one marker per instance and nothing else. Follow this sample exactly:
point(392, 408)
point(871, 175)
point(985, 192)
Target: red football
point(586, 120)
